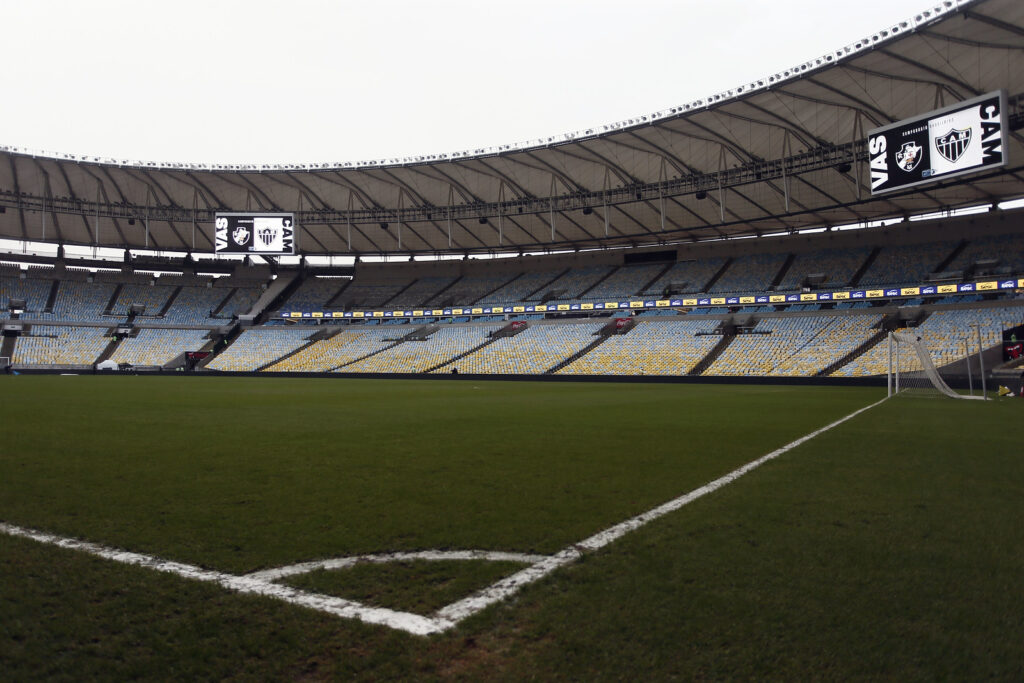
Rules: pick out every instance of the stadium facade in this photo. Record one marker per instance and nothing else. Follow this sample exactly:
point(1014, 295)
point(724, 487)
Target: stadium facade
point(691, 241)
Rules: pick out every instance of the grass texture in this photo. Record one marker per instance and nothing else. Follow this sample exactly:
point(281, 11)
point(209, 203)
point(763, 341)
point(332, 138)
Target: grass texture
point(889, 547)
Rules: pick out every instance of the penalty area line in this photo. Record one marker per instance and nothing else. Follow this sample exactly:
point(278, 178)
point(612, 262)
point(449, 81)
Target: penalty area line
point(505, 588)
point(263, 582)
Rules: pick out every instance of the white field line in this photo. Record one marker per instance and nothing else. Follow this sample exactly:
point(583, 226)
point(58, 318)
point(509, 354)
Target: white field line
point(403, 621)
point(279, 573)
point(262, 582)
point(505, 588)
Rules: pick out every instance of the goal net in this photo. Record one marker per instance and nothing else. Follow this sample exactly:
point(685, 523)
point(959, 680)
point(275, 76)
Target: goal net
point(912, 370)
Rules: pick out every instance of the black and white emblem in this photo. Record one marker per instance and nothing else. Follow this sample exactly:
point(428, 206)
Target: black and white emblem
point(240, 235)
point(908, 156)
point(953, 144)
point(267, 236)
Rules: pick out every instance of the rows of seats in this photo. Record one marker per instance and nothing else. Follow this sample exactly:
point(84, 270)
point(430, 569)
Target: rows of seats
point(420, 356)
point(60, 345)
point(531, 352)
point(469, 289)
point(314, 293)
point(258, 346)
point(153, 297)
point(369, 295)
point(839, 336)
point(573, 282)
point(240, 302)
point(839, 265)
point(158, 346)
point(522, 287)
point(651, 348)
point(948, 336)
point(798, 345)
point(194, 305)
point(343, 348)
point(421, 291)
point(694, 275)
point(80, 301)
point(906, 264)
point(34, 292)
point(624, 282)
point(749, 273)
point(1007, 249)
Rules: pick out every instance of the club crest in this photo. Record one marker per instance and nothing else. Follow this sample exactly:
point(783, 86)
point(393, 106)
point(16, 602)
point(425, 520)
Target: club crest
point(953, 144)
point(908, 156)
point(267, 236)
point(240, 235)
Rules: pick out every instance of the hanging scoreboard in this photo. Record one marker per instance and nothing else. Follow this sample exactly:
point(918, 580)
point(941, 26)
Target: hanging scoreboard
point(964, 138)
point(249, 233)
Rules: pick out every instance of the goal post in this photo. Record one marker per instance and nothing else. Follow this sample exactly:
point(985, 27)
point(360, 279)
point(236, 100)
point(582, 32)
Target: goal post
point(912, 369)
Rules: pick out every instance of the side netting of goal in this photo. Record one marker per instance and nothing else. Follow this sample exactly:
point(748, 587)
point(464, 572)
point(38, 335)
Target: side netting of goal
point(911, 369)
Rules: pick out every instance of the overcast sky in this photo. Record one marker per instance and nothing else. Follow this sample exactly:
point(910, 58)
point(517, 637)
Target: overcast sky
point(306, 80)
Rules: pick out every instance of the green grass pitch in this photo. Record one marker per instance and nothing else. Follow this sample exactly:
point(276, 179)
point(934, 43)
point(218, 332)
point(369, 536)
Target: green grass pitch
point(888, 547)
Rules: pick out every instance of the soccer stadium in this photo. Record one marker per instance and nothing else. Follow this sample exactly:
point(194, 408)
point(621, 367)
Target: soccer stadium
point(675, 397)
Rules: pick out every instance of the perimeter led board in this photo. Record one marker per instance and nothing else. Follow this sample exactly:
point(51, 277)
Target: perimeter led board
point(964, 138)
point(260, 233)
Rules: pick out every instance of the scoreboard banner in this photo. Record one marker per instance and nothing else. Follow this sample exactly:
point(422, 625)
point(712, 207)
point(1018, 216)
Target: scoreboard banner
point(249, 233)
point(963, 138)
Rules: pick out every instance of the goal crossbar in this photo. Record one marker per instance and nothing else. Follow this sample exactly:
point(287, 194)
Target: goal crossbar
point(914, 343)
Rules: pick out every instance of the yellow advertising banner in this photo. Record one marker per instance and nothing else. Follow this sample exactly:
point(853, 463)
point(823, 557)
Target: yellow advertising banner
point(636, 304)
point(662, 303)
point(338, 314)
point(840, 295)
point(747, 299)
point(296, 315)
point(718, 301)
point(519, 309)
point(318, 314)
point(611, 304)
point(477, 311)
point(947, 289)
point(987, 286)
point(378, 314)
point(563, 307)
point(540, 308)
point(689, 302)
point(358, 314)
point(808, 297)
point(497, 309)
point(910, 291)
point(777, 298)
point(587, 307)
point(875, 293)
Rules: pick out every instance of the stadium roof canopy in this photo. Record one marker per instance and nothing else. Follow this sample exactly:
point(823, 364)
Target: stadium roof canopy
point(783, 153)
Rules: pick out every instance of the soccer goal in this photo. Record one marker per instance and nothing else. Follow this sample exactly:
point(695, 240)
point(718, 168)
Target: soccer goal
point(912, 369)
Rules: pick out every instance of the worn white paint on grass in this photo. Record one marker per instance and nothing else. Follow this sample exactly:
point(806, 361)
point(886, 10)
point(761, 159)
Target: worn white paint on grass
point(404, 621)
point(279, 573)
point(506, 587)
point(263, 582)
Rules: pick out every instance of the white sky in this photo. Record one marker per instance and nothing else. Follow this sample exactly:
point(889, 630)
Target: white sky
point(307, 80)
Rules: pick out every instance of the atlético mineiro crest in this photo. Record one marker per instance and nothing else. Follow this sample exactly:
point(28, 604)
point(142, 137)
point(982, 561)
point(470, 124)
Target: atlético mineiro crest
point(267, 236)
point(953, 144)
point(908, 156)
